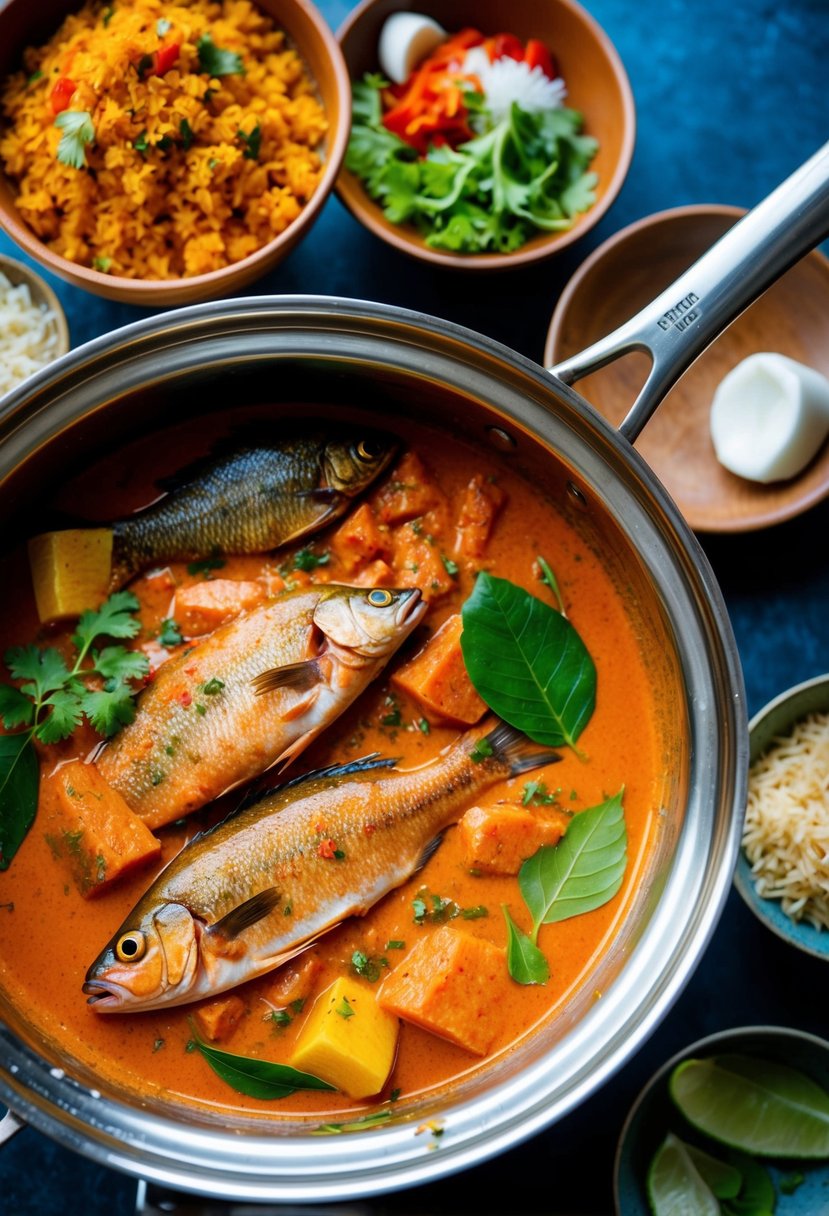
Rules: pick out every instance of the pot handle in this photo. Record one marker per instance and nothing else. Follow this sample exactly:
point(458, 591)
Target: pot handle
point(676, 327)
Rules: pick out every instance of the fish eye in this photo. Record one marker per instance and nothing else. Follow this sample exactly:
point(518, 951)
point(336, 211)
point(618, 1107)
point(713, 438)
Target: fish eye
point(130, 947)
point(380, 598)
point(368, 449)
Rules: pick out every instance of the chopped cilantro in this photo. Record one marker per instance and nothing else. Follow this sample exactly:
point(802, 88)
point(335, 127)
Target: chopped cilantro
point(307, 560)
point(368, 966)
point(344, 1008)
point(395, 944)
point(279, 1017)
point(187, 134)
point(214, 562)
point(201, 709)
point(481, 750)
point(163, 26)
point(169, 634)
point(423, 726)
point(158, 1044)
point(213, 687)
point(298, 1005)
point(78, 131)
point(475, 912)
point(253, 143)
point(101, 264)
point(34, 76)
point(216, 61)
point(450, 566)
point(536, 794)
point(106, 16)
point(141, 144)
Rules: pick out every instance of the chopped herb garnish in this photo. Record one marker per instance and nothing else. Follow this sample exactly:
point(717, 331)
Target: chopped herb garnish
point(169, 633)
point(368, 966)
point(481, 750)
point(252, 143)
point(101, 264)
point(298, 1005)
point(35, 76)
point(163, 26)
point(392, 719)
point(419, 911)
point(279, 1017)
point(187, 134)
point(536, 794)
point(306, 559)
point(344, 1009)
point(475, 912)
point(216, 61)
point(106, 16)
point(78, 131)
point(158, 1044)
point(212, 163)
point(395, 944)
point(450, 566)
point(141, 144)
point(213, 687)
point(423, 726)
point(201, 709)
point(165, 143)
point(394, 1095)
point(190, 1046)
point(207, 564)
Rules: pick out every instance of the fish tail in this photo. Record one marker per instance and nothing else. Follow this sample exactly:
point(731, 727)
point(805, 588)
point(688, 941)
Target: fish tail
point(512, 748)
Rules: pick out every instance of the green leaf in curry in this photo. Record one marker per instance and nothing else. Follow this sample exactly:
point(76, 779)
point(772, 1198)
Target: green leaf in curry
point(525, 962)
point(18, 793)
point(582, 872)
point(527, 662)
point(258, 1078)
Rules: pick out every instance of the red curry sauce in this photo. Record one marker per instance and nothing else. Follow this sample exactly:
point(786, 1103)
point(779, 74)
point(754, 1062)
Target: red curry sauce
point(49, 934)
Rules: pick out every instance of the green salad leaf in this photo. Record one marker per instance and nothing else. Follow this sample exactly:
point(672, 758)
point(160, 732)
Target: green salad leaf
point(527, 662)
point(526, 174)
point(53, 699)
point(258, 1078)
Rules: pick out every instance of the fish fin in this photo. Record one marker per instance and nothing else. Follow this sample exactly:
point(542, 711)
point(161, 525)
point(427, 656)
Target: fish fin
point(321, 494)
point(511, 746)
point(300, 676)
point(428, 852)
point(249, 913)
point(364, 765)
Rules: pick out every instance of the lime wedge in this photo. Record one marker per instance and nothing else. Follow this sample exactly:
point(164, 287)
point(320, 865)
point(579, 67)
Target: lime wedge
point(675, 1186)
point(758, 1106)
point(723, 1179)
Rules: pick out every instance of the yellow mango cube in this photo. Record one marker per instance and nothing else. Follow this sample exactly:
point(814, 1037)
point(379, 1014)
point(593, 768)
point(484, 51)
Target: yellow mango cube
point(70, 570)
point(348, 1040)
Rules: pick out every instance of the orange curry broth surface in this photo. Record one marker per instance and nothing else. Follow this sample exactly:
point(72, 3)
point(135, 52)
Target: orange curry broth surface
point(49, 934)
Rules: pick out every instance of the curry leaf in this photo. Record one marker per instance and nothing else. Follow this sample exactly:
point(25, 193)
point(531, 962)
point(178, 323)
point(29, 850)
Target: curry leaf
point(18, 793)
point(527, 662)
point(258, 1078)
point(580, 873)
point(525, 962)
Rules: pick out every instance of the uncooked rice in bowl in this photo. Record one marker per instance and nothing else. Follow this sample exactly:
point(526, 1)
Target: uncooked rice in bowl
point(786, 832)
point(157, 140)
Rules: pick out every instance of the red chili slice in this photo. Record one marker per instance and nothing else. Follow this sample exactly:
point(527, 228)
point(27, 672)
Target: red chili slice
point(537, 56)
point(61, 94)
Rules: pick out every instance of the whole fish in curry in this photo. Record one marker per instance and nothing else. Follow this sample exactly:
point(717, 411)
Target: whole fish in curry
point(253, 694)
point(254, 891)
point(363, 898)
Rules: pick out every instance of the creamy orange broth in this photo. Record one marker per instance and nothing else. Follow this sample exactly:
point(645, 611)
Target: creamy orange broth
point(49, 934)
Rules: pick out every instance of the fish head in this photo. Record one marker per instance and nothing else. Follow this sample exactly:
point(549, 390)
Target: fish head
point(152, 960)
point(369, 621)
point(351, 464)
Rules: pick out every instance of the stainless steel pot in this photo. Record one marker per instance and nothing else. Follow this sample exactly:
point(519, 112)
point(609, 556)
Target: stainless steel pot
point(382, 361)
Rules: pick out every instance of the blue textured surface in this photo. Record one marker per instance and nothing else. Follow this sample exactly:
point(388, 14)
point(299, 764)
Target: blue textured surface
point(731, 97)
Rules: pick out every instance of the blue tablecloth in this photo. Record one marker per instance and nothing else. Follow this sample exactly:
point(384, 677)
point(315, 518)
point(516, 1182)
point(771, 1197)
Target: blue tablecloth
point(730, 97)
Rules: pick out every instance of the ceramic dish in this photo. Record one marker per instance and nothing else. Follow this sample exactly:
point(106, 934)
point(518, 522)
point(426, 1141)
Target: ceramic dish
point(597, 86)
point(792, 318)
point(23, 24)
point(777, 718)
point(653, 1114)
point(42, 295)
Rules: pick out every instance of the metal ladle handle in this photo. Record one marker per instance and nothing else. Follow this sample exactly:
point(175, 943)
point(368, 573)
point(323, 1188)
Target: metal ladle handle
point(676, 327)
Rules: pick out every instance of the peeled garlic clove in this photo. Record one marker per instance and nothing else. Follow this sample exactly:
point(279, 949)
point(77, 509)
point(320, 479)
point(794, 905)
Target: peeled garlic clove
point(769, 416)
point(406, 39)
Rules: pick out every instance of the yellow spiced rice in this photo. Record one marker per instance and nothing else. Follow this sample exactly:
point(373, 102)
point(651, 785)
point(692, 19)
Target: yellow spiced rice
point(187, 171)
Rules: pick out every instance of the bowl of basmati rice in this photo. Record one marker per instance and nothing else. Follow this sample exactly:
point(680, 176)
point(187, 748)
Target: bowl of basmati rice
point(33, 329)
point(783, 869)
point(166, 153)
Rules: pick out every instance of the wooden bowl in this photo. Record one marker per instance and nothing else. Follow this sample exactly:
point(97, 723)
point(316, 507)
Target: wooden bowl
point(42, 295)
point(597, 86)
point(792, 318)
point(24, 24)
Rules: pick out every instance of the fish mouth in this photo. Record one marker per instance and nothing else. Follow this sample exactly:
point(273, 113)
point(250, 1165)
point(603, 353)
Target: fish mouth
point(412, 607)
point(101, 994)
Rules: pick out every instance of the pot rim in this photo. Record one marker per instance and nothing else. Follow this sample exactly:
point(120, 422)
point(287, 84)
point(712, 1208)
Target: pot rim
point(166, 1150)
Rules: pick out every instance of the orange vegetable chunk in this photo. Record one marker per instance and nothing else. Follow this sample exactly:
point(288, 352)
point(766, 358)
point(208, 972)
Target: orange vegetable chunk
point(375, 574)
point(480, 505)
point(436, 678)
point(359, 539)
point(497, 839)
point(90, 826)
point(452, 984)
point(204, 606)
point(408, 493)
point(218, 1020)
point(295, 981)
point(417, 562)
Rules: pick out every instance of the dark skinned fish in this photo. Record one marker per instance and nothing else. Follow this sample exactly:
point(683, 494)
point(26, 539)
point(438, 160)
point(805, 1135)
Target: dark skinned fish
point(255, 498)
point(260, 887)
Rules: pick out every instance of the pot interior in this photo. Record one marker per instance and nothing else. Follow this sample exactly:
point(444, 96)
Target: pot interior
point(285, 360)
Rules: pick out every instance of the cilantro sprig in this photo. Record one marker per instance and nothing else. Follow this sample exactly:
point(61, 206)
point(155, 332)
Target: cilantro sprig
point(77, 130)
point(53, 699)
point(217, 61)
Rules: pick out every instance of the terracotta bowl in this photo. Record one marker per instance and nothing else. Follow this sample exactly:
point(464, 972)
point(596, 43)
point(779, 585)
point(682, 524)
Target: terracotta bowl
point(792, 318)
point(42, 295)
point(597, 86)
point(23, 24)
